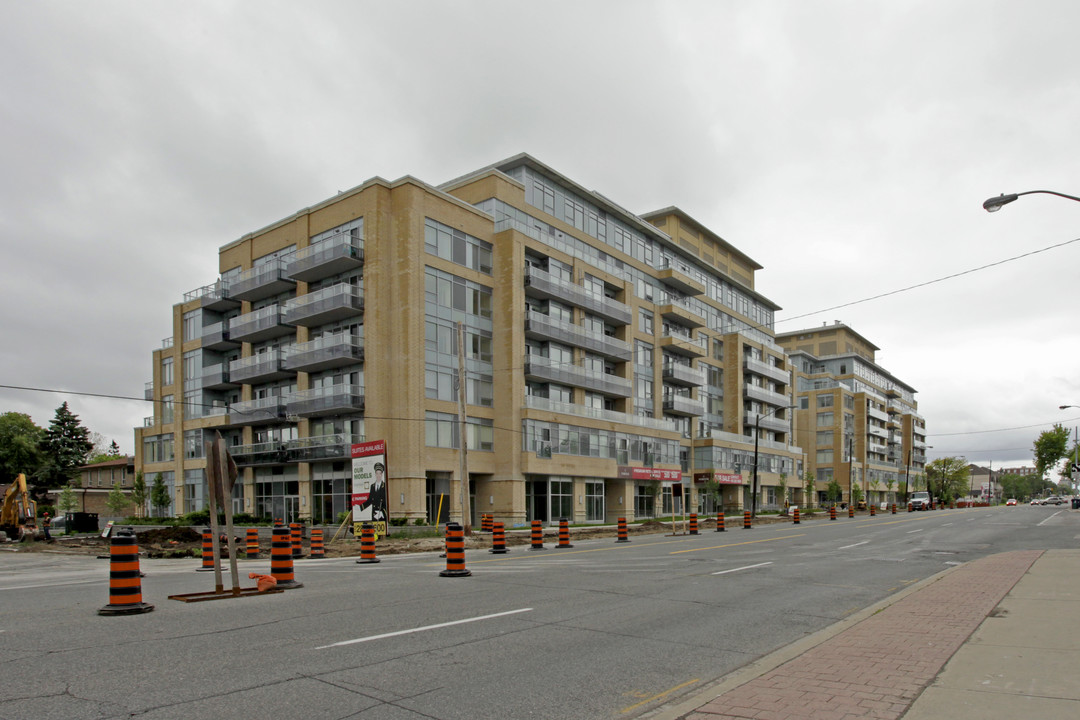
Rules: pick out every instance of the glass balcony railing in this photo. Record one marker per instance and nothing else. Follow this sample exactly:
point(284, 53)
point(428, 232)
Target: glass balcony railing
point(550, 328)
point(328, 400)
point(262, 324)
point(263, 367)
point(261, 282)
point(331, 304)
point(542, 284)
point(329, 351)
point(542, 368)
point(540, 403)
point(336, 254)
point(257, 412)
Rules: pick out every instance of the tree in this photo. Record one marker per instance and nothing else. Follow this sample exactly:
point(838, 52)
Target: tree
point(888, 489)
point(948, 477)
point(159, 495)
point(810, 483)
point(117, 501)
point(20, 451)
point(67, 502)
point(834, 492)
point(66, 446)
point(1050, 447)
point(139, 493)
point(782, 484)
point(114, 450)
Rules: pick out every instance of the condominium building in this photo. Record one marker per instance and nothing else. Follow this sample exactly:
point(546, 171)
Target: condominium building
point(858, 423)
point(609, 359)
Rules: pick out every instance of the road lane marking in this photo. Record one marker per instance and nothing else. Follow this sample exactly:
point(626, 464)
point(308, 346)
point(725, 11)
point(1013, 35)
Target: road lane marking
point(748, 542)
point(658, 696)
point(864, 542)
point(914, 531)
point(746, 567)
point(1049, 519)
point(422, 629)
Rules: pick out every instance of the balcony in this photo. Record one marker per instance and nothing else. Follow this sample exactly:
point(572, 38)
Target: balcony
point(148, 391)
point(327, 305)
point(753, 392)
point(261, 282)
point(877, 414)
point(674, 312)
point(542, 368)
point(329, 400)
point(682, 405)
point(548, 328)
point(217, 337)
point(678, 374)
point(767, 423)
point(545, 285)
point(264, 324)
point(264, 367)
point(322, 447)
point(336, 254)
point(268, 453)
point(539, 403)
point(214, 296)
point(877, 432)
point(327, 352)
point(260, 411)
point(684, 346)
point(680, 279)
point(217, 377)
point(766, 370)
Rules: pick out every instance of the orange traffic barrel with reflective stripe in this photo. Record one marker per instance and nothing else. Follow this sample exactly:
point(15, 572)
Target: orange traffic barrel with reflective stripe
point(873, 510)
point(367, 545)
point(281, 562)
point(252, 543)
point(537, 535)
point(564, 533)
point(296, 535)
point(832, 512)
point(125, 586)
point(455, 552)
point(207, 551)
point(487, 522)
point(622, 531)
point(498, 539)
point(746, 520)
point(720, 522)
point(693, 524)
point(795, 517)
point(317, 548)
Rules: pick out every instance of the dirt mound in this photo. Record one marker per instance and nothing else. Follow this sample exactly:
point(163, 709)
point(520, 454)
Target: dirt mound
point(164, 535)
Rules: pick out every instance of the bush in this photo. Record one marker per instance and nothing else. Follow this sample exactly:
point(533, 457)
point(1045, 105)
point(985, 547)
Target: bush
point(399, 522)
point(198, 517)
point(420, 521)
point(341, 517)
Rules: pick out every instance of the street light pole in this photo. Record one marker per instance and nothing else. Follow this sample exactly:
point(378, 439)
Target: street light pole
point(757, 420)
point(1076, 451)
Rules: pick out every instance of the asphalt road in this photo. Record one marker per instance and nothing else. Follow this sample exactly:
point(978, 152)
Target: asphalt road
point(602, 630)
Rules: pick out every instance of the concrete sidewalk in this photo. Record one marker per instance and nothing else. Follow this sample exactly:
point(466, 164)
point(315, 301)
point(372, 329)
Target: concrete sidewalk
point(995, 638)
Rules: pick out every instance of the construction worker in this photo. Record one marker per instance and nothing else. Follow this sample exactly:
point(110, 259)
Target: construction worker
point(46, 523)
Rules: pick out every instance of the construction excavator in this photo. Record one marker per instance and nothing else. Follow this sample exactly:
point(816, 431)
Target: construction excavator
point(18, 519)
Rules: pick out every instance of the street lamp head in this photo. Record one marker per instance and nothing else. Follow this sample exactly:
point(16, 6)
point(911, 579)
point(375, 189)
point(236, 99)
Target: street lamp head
point(995, 203)
point(1065, 407)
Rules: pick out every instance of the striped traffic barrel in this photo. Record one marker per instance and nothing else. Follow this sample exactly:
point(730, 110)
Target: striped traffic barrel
point(498, 539)
point(281, 562)
point(455, 552)
point(125, 587)
point(564, 533)
point(367, 545)
point(252, 543)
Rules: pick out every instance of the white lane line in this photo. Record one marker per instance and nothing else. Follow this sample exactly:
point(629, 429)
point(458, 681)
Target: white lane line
point(1049, 519)
point(422, 629)
point(914, 531)
point(855, 545)
point(52, 584)
point(747, 567)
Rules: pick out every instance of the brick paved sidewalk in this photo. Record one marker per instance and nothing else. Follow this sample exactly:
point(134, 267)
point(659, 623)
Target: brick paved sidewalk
point(878, 667)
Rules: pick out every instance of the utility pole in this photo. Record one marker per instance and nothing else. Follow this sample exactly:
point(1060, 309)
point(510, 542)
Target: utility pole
point(463, 455)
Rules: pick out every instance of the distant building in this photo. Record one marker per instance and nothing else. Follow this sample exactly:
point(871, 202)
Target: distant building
point(96, 482)
point(857, 422)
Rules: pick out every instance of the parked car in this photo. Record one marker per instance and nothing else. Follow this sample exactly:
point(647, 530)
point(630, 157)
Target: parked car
point(920, 500)
point(1054, 500)
point(1010, 501)
point(1035, 501)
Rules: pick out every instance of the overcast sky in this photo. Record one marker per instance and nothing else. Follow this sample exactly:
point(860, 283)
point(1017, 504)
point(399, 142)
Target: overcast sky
point(845, 146)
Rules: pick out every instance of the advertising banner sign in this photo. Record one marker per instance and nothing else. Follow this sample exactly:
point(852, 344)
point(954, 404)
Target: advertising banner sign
point(636, 473)
point(369, 476)
point(721, 478)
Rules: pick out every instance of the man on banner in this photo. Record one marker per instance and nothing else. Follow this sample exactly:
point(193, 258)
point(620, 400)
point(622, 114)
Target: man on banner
point(369, 491)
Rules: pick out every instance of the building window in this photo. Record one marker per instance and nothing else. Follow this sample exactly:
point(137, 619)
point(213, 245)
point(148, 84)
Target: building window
point(825, 456)
point(192, 325)
point(645, 321)
point(825, 419)
point(824, 438)
point(594, 501)
point(457, 246)
point(167, 371)
point(824, 401)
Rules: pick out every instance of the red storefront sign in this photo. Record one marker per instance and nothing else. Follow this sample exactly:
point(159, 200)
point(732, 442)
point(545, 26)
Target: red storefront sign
point(637, 473)
point(721, 478)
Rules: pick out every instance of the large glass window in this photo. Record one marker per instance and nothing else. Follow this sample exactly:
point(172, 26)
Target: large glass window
point(457, 246)
point(595, 510)
point(562, 499)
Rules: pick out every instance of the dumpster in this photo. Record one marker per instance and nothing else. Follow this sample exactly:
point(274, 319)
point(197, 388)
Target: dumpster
point(83, 522)
point(1076, 503)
